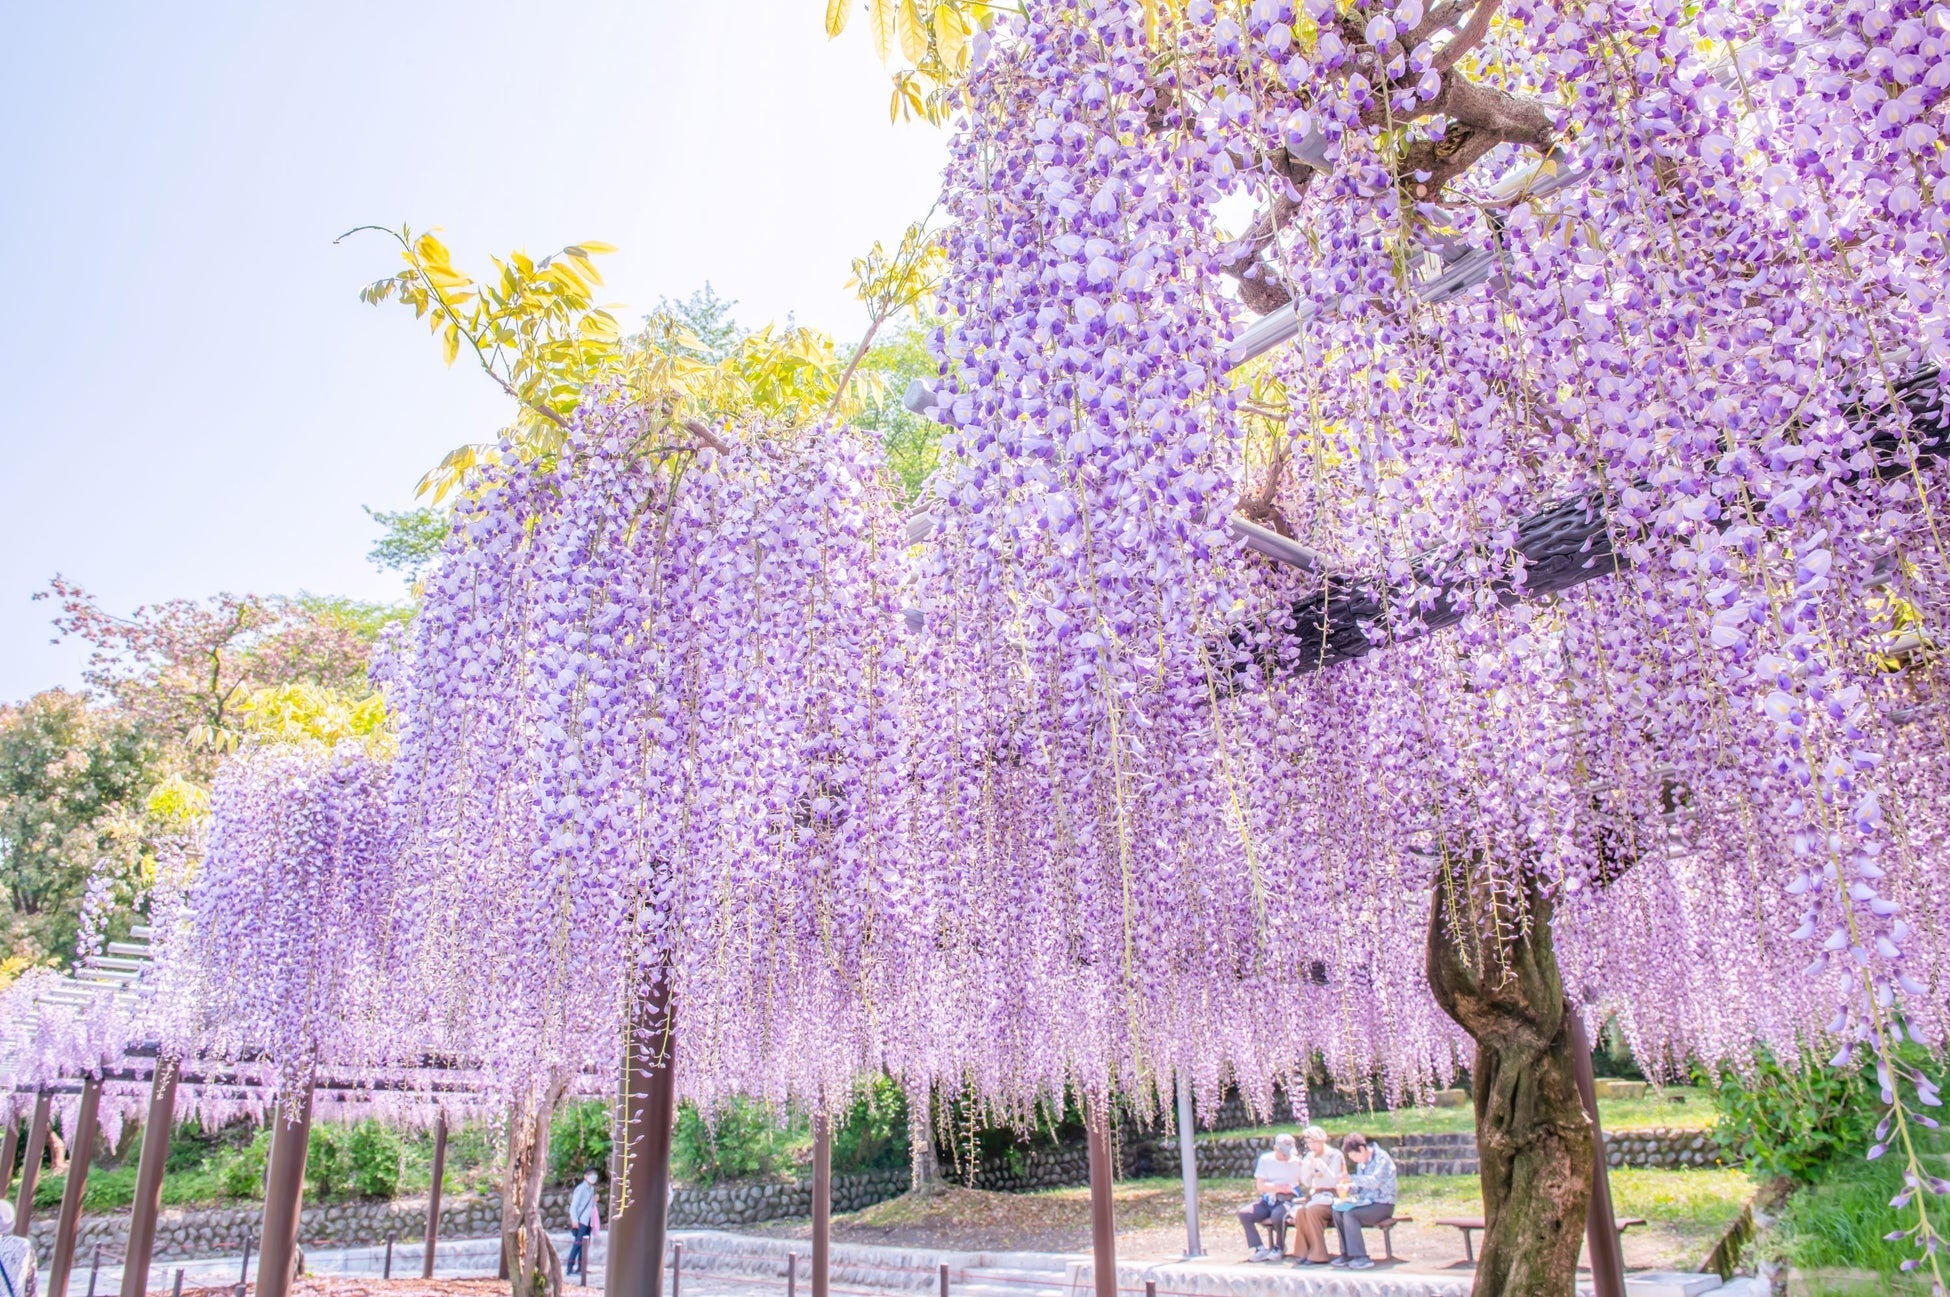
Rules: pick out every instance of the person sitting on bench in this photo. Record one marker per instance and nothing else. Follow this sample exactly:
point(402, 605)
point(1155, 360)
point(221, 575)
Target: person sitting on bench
point(1276, 1177)
point(1370, 1199)
point(1320, 1173)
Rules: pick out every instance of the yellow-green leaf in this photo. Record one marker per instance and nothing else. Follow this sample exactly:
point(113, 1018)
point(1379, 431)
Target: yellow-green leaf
point(950, 37)
point(914, 37)
point(881, 21)
point(836, 14)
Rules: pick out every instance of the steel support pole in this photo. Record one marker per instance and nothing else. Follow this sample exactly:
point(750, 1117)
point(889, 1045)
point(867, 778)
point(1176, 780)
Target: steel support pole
point(1103, 1223)
point(640, 1167)
point(284, 1196)
point(30, 1169)
point(822, 1206)
point(8, 1152)
point(81, 1146)
point(1600, 1225)
point(156, 1128)
point(1188, 1164)
point(433, 1198)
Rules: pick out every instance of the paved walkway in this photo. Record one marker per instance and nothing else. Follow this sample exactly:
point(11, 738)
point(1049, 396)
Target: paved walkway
point(722, 1264)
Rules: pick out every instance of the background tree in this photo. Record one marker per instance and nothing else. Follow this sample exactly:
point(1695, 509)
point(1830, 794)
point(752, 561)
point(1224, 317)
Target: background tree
point(180, 668)
point(72, 781)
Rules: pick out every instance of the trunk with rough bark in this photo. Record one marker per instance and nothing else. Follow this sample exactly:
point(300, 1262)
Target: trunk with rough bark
point(534, 1268)
point(924, 1165)
point(1492, 968)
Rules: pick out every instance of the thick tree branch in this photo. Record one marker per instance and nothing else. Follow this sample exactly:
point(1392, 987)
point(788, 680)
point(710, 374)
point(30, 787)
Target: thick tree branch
point(1469, 37)
point(1257, 288)
point(1480, 118)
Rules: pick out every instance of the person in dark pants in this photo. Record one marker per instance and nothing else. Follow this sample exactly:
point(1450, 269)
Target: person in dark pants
point(1276, 1176)
point(582, 1218)
point(1370, 1199)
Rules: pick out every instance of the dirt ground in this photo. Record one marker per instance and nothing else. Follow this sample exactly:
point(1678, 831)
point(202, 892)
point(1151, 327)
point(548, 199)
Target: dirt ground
point(361, 1286)
point(1687, 1211)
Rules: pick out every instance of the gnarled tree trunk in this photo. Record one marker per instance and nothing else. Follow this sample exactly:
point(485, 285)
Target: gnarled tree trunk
point(534, 1268)
point(1494, 971)
point(924, 1166)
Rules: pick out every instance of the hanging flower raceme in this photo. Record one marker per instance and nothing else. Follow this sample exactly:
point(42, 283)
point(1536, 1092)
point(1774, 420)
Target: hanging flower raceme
point(277, 951)
point(662, 690)
point(1636, 541)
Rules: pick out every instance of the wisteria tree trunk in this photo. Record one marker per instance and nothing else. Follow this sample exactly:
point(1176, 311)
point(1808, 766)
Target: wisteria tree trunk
point(534, 1268)
point(925, 1166)
point(1492, 968)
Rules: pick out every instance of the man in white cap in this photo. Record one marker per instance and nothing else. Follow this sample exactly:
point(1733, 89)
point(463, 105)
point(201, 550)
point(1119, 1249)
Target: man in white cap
point(1277, 1177)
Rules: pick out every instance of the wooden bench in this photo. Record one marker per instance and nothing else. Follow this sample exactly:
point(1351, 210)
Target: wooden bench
point(1387, 1228)
point(1469, 1224)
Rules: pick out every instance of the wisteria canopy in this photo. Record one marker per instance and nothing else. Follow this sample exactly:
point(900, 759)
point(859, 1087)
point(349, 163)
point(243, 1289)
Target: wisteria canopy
point(1054, 797)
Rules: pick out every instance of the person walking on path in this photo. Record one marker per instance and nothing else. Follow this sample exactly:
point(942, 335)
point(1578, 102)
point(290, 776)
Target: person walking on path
point(582, 1220)
point(1370, 1200)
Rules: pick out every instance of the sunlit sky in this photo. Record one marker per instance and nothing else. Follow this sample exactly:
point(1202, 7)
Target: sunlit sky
point(195, 399)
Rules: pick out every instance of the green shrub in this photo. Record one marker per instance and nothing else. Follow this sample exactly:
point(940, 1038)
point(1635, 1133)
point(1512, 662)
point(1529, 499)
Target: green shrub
point(1795, 1123)
point(372, 1155)
point(327, 1169)
point(240, 1173)
point(743, 1140)
point(578, 1140)
point(873, 1134)
point(360, 1160)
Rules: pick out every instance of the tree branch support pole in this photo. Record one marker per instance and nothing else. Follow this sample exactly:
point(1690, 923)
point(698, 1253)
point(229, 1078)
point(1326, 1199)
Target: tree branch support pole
point(30, 1168)
point(156, 1128)
point(284, 1194)
point(640, 1170)
point(1103, 1222)
point(8, 1152)
point(81, 1141)
point(1601, 1239)
point(1188, 1164)
point(433, 1196)
point(822, 1205)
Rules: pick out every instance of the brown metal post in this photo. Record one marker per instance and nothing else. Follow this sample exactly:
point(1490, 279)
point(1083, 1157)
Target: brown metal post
point(1600, 1226)
point(640, 1166)
point(433, 1195)
point(30, 1169)
point(149, 1178)
point(1103, 1223)
point(9, 1151)
point(284, 1195)
point(822, 1206)
point(81, 1147)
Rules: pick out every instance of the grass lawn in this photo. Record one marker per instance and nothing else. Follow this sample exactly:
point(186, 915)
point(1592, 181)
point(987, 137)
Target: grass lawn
point(1683, 1107)
point(1688, 1211)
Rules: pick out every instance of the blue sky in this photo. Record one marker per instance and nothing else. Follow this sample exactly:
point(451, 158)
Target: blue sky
point(195, 399)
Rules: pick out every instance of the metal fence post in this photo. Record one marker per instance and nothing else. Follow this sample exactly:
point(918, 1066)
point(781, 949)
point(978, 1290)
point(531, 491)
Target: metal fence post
point(944, 1279)
point(792, 1274)
point(389, 1257)
point(177, 1291)
point(676, 1266)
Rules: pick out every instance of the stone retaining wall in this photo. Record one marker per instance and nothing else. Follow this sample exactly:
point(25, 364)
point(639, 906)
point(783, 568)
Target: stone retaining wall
point(183, 1235)
point(1662, 1147)
point(1045, 1166)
